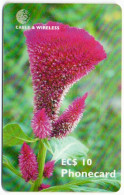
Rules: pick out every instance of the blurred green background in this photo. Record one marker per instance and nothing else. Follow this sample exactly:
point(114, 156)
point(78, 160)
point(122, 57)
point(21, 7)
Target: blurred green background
point(100, 127)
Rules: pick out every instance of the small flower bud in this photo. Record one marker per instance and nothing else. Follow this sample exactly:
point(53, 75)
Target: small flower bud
point(41, 124)
point(44, 186)
point(48, 169)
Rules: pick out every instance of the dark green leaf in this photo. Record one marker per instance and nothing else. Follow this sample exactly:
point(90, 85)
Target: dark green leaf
point(14, 135)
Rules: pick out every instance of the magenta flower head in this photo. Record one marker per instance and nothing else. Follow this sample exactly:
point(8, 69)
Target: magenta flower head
point(59, 56)
point(48, 169)
point(41, 124)
point(28, 163)
point(44, 186)
point(70, 118)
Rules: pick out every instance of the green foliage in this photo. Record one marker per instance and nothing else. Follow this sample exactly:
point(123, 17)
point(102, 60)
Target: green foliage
point(83, 185)
point(14, 135)
point(68, 147)
point(7, 164)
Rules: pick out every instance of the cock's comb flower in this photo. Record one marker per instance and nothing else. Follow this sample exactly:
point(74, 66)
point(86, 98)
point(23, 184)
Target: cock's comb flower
point(44, 186)
point(28, 163)
point(48, 169)
point(59, 56)
point(70, 118)
point(41, 124)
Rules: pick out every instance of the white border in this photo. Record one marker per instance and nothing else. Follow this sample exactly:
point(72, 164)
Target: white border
point(119, 2)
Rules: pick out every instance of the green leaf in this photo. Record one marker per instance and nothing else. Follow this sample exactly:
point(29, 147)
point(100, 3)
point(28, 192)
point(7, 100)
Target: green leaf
point(47, 144)
point(75, 188)
point(80, 185)
point(7, 164)
point(14, 135)
point(67, 147)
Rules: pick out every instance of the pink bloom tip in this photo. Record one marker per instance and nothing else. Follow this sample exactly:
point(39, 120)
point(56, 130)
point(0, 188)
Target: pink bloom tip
point(70, 118)
point(48, 169)
point(28, 163)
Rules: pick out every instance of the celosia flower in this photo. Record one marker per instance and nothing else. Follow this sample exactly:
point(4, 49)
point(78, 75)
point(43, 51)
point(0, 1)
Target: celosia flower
point(48, 169)
point(70, 118)
point(59, 56)
point(41, 124)
point(28, 163)
point(44, 186)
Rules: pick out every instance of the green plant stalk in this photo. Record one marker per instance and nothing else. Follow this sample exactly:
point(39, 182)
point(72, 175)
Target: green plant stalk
point(41, 162)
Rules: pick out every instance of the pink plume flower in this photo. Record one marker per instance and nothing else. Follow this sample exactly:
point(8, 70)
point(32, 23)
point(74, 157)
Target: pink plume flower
point(59, 56)
point(28, 163)
point(41, 124)
point(44, 186)
point(48, 169)
point(70, 118)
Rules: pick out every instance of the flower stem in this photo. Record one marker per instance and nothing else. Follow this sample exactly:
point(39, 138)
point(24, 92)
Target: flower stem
point(41, 162)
